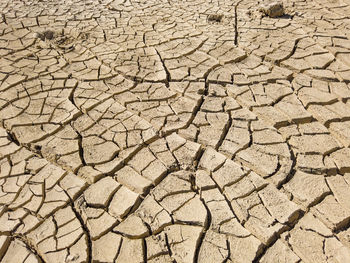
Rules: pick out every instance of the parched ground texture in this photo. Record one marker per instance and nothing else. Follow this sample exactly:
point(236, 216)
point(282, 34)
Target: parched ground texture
point(174, 131)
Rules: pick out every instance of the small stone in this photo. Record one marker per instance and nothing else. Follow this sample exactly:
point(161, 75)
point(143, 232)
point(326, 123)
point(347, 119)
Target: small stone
point(215, 18)
point(49, 34)
point(274, 9)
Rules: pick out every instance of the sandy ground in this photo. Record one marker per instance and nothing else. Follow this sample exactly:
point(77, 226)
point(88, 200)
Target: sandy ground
point(174, 131)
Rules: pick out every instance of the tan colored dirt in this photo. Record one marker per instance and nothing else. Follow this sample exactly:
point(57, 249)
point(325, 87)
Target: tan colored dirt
point(174, 131)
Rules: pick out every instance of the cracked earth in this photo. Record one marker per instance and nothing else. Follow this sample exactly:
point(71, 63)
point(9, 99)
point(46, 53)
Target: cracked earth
point(174, 131)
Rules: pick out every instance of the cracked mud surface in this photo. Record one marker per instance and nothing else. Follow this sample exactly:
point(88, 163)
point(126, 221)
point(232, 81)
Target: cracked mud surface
point(174, 131)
